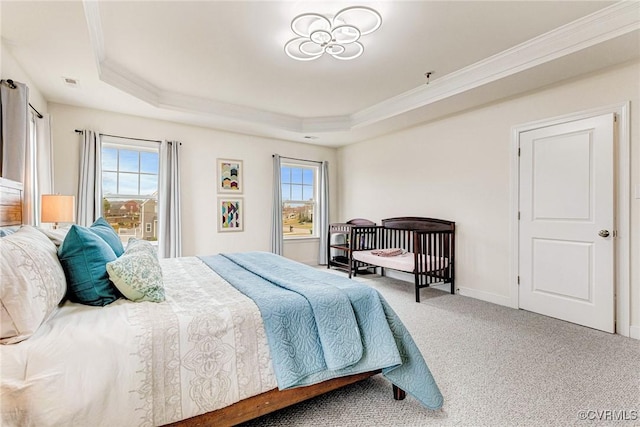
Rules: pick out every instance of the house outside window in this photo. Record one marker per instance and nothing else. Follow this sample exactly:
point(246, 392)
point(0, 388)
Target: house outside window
point(299, 200)
point(130, 187)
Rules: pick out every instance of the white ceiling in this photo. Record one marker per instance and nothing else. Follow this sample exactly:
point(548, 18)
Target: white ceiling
point(221, 64)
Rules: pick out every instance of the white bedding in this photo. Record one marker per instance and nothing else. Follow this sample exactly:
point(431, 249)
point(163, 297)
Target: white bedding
point(140, 364)
point(404, 262)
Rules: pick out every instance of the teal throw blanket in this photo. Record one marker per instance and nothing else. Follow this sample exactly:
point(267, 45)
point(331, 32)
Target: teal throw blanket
point(322, 326)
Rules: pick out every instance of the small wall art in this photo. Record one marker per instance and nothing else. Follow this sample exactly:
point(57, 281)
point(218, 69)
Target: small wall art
point(230, 214)
point(230, 176)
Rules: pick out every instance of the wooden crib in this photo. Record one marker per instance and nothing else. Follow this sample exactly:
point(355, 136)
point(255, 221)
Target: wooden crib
point(427, 246)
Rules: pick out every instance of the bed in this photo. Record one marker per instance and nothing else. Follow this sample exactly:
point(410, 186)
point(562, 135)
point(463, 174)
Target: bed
point(220, 349)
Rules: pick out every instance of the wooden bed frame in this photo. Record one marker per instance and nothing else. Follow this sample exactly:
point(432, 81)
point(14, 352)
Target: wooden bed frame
point(270, 401)
point(10, 203)
point(245, 410)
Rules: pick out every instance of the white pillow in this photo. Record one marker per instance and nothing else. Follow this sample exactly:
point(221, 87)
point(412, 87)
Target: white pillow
point(56, 235)
point(32, 283)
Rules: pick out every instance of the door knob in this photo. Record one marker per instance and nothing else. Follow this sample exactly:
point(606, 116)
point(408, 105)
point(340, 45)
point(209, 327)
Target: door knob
point(603, 233)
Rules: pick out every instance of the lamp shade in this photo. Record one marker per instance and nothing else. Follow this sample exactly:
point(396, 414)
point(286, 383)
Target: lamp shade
point(58, 208)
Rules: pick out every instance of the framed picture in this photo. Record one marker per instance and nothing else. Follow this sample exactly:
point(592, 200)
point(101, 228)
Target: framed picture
point(230, 176)
point(230, 214)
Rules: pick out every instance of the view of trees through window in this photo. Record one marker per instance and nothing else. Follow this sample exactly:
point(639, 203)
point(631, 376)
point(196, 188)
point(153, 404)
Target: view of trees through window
point(298, 200)
point(130, 190)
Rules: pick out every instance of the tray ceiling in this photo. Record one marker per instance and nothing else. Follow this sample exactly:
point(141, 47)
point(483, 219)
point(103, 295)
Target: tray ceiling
point(222, 64)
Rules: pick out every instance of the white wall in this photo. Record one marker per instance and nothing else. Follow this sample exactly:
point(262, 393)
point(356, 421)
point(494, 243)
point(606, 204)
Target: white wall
point(11, 69)
point(458, 169)
point(200, 148)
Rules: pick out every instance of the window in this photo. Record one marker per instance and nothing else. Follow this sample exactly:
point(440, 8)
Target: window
point(130, 188)
point(299, 195)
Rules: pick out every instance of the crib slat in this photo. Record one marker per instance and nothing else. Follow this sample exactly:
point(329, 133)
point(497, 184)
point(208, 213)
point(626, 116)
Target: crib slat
point(440, 260)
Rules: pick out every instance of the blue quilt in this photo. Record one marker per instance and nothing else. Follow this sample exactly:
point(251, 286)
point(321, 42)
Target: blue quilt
point(322, 326)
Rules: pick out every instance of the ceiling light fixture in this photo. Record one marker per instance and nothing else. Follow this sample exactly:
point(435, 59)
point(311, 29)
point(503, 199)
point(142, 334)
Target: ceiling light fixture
point(338, 36)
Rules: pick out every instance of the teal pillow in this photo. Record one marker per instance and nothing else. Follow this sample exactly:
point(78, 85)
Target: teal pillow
point(84, 257)
point(103, 229)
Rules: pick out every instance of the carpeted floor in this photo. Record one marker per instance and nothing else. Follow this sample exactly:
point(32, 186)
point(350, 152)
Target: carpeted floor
point(495, 366)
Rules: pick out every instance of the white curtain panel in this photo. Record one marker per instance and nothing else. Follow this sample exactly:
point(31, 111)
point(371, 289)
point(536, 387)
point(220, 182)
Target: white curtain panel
point(25, 150)
point(41, 160)
point(323, 214)
point(14, 132)
point(89, 206)
point(276, 211)
point(169, 218)
point(30, 206)
point(44, 160)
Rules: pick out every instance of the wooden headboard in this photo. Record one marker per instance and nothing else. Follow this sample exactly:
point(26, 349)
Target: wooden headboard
point(10, 203)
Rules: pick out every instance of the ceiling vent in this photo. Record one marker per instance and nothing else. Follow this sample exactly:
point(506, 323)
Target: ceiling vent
point(71, 82)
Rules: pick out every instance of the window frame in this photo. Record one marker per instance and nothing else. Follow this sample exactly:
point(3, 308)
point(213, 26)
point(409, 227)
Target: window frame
point(130, 145)
point(139, 147)
point(315, 168)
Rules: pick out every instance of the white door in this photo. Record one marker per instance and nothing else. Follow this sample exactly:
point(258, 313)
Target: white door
point(566, 227)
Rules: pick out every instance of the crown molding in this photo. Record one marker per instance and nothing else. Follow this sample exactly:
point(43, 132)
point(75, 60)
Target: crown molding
point(606, 24)
point(94, 25)
point(116, 76)
point(326, 124)
point(192, 104)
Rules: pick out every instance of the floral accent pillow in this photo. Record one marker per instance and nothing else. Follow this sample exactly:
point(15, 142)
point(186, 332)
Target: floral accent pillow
point(139, 245)
point(137, 273)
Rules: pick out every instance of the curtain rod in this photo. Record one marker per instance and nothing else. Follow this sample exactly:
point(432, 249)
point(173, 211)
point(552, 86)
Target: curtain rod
point(36, 111)
point(300, 160)
point(127, 137)
point(12, 85)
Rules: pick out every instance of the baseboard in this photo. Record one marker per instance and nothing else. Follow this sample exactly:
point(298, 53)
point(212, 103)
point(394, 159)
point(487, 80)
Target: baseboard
point(467, 292)
point(634, 331)
point(485, 296)
point(442, 287)
point(399, 275)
